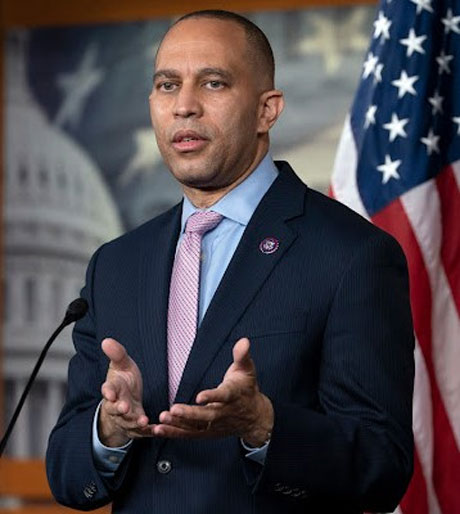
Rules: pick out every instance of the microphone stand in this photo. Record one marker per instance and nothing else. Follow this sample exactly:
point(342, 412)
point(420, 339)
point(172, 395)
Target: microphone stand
point(76, 310)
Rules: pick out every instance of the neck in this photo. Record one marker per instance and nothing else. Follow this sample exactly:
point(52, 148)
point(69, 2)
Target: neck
point(202, 199)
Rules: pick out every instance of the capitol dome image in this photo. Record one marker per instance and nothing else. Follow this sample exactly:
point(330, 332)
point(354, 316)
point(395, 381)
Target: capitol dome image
point(57, 211)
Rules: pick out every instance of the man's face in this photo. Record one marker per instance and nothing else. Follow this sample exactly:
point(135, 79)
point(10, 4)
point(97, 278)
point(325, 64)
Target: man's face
point(205, 104)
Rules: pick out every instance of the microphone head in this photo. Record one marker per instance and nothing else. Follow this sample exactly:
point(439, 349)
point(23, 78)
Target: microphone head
point(76, 310)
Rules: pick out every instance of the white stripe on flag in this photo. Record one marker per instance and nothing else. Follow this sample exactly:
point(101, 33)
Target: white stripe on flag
point(423, 210)
point(344, 184)
point(423, 426)
point(456, 168)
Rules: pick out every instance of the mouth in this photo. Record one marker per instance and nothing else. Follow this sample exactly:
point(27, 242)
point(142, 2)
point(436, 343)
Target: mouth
point(185, 141)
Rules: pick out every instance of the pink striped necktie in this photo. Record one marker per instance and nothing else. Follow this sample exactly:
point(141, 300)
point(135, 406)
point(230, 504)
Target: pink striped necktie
point(184, 295)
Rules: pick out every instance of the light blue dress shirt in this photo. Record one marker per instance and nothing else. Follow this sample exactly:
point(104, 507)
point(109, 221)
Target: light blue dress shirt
point(218, 247)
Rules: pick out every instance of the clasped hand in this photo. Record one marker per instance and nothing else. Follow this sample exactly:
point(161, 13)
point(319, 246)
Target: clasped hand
point(234, 407)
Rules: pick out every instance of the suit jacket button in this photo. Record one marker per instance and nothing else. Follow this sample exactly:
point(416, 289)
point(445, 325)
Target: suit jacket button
point(90, 490)
point(278, 487)
point(164, 466)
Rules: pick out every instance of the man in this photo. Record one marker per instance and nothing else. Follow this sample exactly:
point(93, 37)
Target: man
point(284, 383)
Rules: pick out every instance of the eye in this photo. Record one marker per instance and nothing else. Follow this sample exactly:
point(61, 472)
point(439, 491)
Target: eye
point(166, 86)
point(215, 84)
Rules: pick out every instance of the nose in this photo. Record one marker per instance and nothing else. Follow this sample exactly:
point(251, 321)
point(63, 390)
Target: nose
point(187, 102)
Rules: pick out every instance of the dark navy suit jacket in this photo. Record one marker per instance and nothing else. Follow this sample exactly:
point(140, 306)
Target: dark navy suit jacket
point(329, 321)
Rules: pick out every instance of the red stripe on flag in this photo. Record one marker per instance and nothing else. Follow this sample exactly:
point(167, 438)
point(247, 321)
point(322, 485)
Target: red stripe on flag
point(415, 500)
point(449, 196)
point(331, 192)
point(446, 458)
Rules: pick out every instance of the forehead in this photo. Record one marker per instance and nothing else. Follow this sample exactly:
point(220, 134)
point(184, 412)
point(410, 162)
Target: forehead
point(212, 41)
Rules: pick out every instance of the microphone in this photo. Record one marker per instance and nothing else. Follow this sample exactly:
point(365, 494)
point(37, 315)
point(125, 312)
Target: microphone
point(75, 311)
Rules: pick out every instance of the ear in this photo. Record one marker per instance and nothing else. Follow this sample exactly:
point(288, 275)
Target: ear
point(270, 107)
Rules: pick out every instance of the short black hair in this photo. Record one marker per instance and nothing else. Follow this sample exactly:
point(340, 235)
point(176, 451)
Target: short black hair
point(258, 43)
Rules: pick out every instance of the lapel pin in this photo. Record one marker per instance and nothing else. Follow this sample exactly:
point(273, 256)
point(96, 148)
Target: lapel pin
point(269, 245)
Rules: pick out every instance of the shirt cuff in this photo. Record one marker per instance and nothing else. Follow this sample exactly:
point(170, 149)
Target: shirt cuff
point(107, 460)
point(256, 454)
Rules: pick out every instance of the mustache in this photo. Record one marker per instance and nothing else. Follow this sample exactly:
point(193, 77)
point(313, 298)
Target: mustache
point(189, 129)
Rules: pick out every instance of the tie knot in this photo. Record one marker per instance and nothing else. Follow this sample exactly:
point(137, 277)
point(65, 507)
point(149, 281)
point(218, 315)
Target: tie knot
point(202, 222)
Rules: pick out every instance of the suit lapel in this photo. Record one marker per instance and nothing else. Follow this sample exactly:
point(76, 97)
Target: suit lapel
point(157, 256)
point(246, 273)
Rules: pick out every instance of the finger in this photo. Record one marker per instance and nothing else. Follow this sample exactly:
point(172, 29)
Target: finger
point(125, 411)
point(195, 413)
point(225, 393)
point(109, 391)
point(142, 421)
point(241, 355)
point(116, 388)
point(129, 411)
point(138, 432)
point(179, 433)
point(131, 427)
point(119, 358)
point(184, 424)
point(117, 409)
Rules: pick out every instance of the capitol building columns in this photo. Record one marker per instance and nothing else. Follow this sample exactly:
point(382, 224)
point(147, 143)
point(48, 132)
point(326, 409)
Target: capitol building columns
point(20, 442)
point(53, 404)
point(58, 211)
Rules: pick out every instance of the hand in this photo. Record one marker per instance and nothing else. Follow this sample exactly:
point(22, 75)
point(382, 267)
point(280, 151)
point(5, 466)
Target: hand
point(235, 407)
point(122, 415)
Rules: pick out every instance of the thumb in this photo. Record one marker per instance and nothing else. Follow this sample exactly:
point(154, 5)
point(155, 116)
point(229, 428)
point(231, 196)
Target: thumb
point(119, 358)
point(242, 357)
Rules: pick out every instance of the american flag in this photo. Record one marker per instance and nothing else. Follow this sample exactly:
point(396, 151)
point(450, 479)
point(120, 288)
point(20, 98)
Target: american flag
point(398, 164)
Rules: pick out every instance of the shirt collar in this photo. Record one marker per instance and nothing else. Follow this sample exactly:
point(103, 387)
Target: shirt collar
point(240, 203)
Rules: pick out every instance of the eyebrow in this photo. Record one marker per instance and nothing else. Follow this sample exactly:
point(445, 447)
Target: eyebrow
point(203, 72)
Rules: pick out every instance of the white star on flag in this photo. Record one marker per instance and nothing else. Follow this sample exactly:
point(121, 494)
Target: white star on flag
point(451, 22)
point(378, 72)
point(405, 84)
point(389, 169)
point(423, 4)
point(443, 61)
point(436, 101)
point(370, 64)
point(431, 141)
point(382, 27)
point(456, 119)
point(402, 173)
point(77, 87)
point(331, 43)
point(144, 159)
point(396, 127)
point(370, 116)
point(413, 43)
